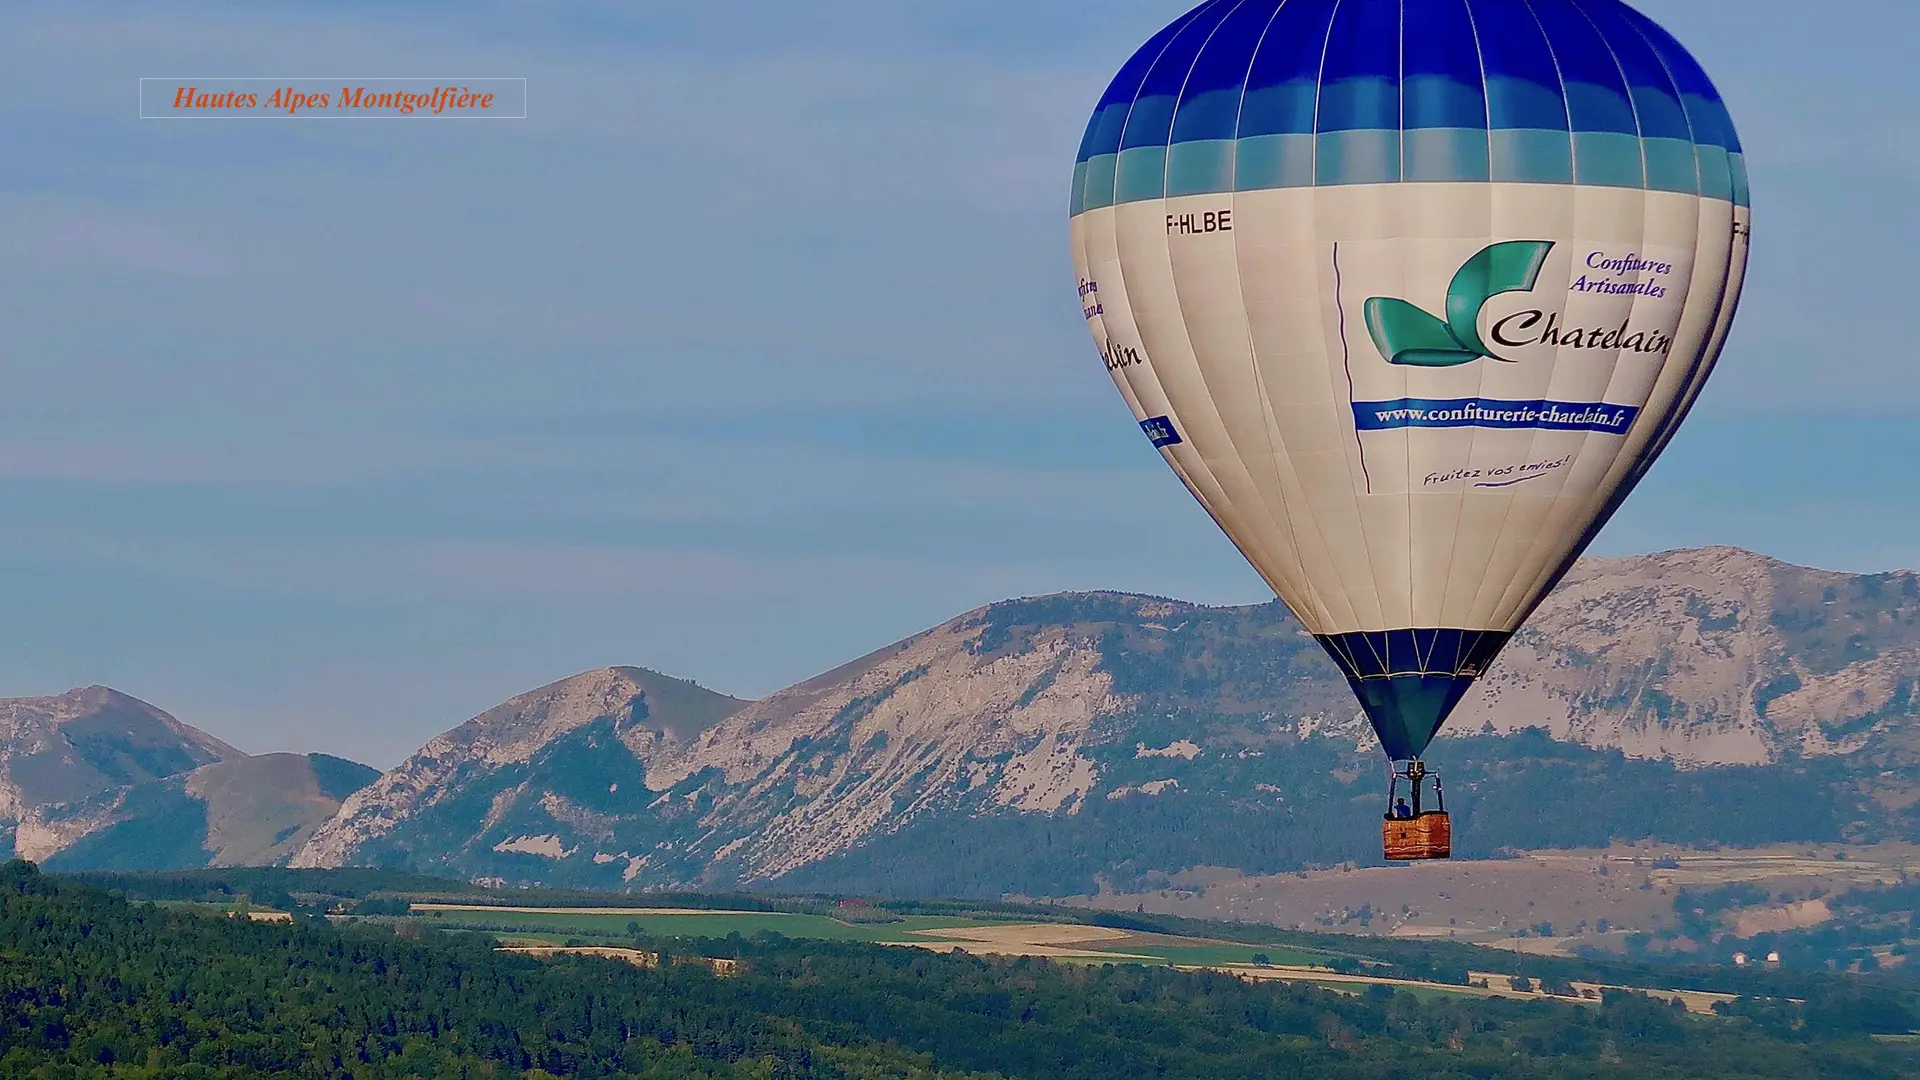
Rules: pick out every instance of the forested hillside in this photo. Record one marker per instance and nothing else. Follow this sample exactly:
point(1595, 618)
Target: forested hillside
point(92, 985)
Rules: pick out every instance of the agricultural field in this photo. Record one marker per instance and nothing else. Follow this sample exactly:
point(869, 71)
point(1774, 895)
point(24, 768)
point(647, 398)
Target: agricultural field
point(1059, 940)
point(546, 930)
point(1543, 902)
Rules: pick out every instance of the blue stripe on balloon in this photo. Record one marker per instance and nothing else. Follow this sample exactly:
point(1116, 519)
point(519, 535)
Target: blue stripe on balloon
point(1110, 117)
point(1656, 95)
point(1210, 101)
point(1437, 40)
point(1283, 85)
point(1249, 94)
point(1440, 101)
point(1596, 89)
point(1360, 77)
point(1280, 109)
point(1151, 121)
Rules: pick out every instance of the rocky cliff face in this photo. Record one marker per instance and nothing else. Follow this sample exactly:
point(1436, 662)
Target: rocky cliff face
point(1715, 656)
point(247, 811)
point(1096, 734)
point(89, 741)
point(93, 778)
point(522, 758)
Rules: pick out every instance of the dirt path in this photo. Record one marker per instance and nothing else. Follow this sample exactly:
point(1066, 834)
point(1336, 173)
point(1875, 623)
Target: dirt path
point(506, 910)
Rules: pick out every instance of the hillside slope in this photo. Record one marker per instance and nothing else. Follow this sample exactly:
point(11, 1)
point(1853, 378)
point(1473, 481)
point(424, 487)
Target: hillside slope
point(1043, 746)
point(251, 811)
point(87, 741)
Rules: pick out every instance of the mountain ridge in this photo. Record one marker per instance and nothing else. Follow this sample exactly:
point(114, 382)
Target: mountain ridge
point(1020, 719)
point(95, 770)
point(1057, 744)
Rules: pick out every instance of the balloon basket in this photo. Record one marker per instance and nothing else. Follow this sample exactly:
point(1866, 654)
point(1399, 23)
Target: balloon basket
point(1429, 836)
point(1410, 834)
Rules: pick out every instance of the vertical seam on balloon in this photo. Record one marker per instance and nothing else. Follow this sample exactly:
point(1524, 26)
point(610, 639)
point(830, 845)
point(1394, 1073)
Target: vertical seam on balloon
point(1532, 581)
point(1334, 559)
point(1261, 507)
point(1682, 406)
point(1319, 86)
point(1246, 518)
point(1360, 519)
point(1486, 89)
point(1633, 103)
point(1506, 516)
point(1193, 485)
point(1346, 362)
point(1180, 96)
point(1311, 592)
point(1533, 442)
point(1680, 99)
point(1400, 100)
point(1473, 434)
point(1400, 96)
point(1699, 368)
point(1188, 479)
point(1120, 145)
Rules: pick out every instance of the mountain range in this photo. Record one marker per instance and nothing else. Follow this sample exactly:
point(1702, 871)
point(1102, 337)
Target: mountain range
point(94, 779)
point(1062, 745)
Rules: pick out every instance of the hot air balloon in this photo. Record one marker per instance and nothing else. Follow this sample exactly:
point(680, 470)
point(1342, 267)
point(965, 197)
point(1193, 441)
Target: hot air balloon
point(1410, 294)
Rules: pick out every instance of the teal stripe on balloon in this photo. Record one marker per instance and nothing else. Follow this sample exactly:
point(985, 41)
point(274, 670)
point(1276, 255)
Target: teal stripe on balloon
point(1142, 174)
point(1442, 155)
point(1201, 167)
point(1607, 159)
point(1273, 161)
point(1672, 165)
point(1099, 190)
point(1716, 173)
point(1357, 157)
point(1424, 155)
point(1531, 156)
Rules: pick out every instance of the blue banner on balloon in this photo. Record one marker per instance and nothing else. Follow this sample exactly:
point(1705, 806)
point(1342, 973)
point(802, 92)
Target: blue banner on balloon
point(1489, 413)
point(1160, 430)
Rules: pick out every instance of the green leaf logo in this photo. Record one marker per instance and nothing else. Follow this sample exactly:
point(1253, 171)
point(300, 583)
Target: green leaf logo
point(1406, 335)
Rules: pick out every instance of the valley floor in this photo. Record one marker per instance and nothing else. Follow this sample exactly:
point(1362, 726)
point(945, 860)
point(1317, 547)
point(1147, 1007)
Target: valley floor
point(1549, 902)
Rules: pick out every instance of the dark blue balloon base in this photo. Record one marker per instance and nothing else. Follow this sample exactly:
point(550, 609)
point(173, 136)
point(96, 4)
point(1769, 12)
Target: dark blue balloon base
point(1409, 681)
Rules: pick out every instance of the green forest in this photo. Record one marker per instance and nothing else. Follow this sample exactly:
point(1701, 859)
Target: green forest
point(93, 985)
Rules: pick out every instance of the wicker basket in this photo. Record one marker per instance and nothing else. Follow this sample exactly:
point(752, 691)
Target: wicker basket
point(1429, 836)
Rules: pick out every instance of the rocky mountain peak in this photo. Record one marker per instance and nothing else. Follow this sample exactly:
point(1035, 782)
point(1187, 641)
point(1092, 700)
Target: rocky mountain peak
point(643, 707)
point(89, 740)
point(1120, 723)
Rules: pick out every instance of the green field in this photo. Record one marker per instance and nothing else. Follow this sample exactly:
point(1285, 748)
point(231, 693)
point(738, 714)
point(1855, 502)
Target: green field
point(694, 924)
point(548, 927)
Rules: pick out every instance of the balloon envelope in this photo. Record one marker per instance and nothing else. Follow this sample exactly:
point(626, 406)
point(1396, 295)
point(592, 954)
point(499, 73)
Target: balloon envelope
point(1410, 293)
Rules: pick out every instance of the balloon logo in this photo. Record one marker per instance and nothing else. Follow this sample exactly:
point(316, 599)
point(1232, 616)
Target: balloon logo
point(1410, 294)
point(1406, 335)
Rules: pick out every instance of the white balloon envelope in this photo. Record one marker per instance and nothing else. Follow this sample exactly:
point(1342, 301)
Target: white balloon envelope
point(1410, 294)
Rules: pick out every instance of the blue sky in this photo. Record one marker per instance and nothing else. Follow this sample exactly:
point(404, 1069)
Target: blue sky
point(753, 349)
